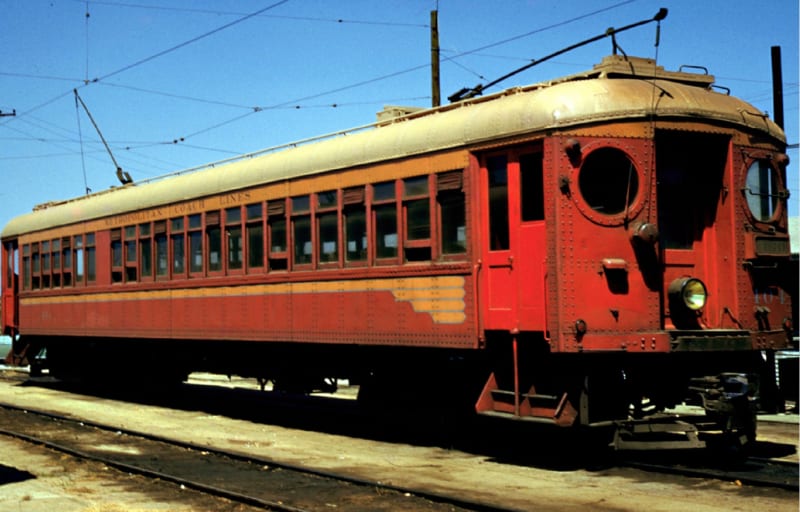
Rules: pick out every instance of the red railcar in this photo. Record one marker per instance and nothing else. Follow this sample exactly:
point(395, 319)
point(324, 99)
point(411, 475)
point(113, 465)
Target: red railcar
point(590, 250)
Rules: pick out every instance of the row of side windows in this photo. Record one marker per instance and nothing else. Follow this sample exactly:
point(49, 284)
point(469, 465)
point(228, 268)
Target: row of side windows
point(59, 263)
point(416, 219)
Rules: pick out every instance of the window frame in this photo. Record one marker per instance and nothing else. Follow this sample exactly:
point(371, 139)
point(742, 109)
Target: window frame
point(447, 185)
point(277, 212)
point(327, 211)
point(199, 230)
point(228, 237)
point(417, 246)
point(296, 215)
point(250, 222)
point(376, 205)
point(355, 199)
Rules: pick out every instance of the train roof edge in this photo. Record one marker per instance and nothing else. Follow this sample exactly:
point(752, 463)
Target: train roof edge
point(616, 89)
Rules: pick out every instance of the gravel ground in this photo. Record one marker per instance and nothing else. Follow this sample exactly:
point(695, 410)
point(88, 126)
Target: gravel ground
point(58, 486)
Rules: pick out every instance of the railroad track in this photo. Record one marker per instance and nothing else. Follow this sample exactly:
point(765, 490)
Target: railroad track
point(754, 472)
point(251, 481)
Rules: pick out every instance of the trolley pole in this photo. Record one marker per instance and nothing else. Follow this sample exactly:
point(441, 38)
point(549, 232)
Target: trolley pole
point(8, 114)
point(435, 94)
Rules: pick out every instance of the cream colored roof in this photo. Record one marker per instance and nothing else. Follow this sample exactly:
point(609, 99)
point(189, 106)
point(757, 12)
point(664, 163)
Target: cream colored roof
point(583, 99)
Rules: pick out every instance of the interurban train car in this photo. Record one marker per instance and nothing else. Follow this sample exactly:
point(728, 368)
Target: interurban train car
point(592, 250)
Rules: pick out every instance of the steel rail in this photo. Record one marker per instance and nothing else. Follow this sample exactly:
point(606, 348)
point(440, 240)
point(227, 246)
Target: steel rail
point(478, 506)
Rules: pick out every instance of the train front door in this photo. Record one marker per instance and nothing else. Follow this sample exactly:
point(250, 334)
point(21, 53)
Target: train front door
point(513, 275)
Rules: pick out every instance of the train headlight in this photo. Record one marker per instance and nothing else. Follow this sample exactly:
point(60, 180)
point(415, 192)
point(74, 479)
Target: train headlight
point(690, 292)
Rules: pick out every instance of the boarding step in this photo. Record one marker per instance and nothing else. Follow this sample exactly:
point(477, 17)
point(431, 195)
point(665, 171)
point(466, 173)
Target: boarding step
point(528, 405)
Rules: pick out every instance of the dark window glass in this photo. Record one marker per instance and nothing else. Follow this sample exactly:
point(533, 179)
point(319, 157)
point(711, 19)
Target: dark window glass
point(146, 251)
point(386, 231)
point(178, 254)
point(277, 232)
point(162, 255)
point(255, 245)
point(383, 191)
point(233, 215)
point(91, 264)
point(418, 219)
point(254, 211)
point(416, 186)
point(302, 239)
point(531, 187)
point(328, 237)
point(235, 248)
point(301, 204)
point(130, 251)
point(195, 251)
point(498, 203)
point(355, 232)
point(608, 181)
point(116, 253)
point(327, 199)
point(214, 241)
point(195, 221)
point(454, 236)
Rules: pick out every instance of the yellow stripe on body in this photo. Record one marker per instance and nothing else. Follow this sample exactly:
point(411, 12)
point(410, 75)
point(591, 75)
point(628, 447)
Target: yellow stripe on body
point(442, 297)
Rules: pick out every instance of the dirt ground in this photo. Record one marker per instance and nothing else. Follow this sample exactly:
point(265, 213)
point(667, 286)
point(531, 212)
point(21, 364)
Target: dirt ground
point(43, 483)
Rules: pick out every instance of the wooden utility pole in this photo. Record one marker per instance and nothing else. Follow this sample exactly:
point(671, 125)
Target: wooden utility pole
point(435, 94)
point(777, 86)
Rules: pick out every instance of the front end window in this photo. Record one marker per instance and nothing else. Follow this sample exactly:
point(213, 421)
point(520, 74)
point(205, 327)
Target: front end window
point(763, 190)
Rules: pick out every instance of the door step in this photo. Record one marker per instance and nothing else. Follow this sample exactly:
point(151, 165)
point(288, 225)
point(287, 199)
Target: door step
point(530, 405)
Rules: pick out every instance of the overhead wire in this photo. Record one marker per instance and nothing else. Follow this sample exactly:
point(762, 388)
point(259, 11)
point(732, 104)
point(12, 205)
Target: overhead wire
point(217, 12)
point(190, 41)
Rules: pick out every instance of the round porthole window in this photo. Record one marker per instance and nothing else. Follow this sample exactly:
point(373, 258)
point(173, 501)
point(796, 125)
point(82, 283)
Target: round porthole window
point(762, 190)
point(608, 181)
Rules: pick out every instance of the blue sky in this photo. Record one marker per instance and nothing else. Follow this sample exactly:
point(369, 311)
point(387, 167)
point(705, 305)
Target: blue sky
point(178, 83)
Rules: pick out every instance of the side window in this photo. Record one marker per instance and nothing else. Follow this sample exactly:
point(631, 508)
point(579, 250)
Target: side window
point(55, 246)
point(66, 258)
point(301, 230)
point(162, 249)
point(277, 243)
point(26, 267)
point(452, 212)
point(354, 213)
point(328, 226)
point(130, 254)
point(195, 239)
point(46, 264)
point(384, 212)
point(91, 258)
point(116, 256)
point(233, 234)
point(255, 236)
point(417, 212)
point(36, 273)
point(213, 242)
point(146, 250)
point(177, 240)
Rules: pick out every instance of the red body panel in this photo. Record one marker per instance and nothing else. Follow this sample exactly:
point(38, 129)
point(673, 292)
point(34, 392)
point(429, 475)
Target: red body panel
point(414, 311)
